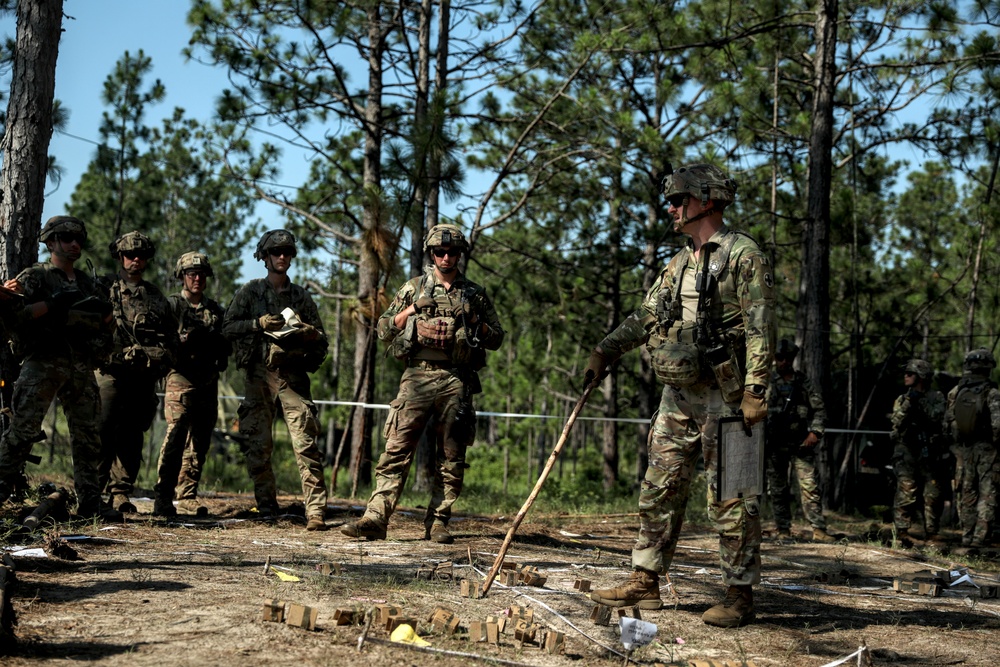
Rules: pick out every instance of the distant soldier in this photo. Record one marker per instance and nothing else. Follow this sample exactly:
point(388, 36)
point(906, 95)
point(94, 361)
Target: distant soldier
point(192, 388)
point(708, 322)
point(796, 418)
point(276, 357)
point(145, 347)
point(918, 447)
point(973, 420)
point(441, 323)
point(63, 332)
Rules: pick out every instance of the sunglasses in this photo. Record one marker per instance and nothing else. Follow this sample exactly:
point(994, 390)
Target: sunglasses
point(450, 252)
point(676, 201)
point(909, 373)
point(135, 255)
point(282, 251)
point(70, 237)
point(195, 273)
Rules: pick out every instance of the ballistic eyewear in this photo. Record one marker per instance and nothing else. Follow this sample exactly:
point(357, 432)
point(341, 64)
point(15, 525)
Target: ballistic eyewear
point(135, 254)
point(676, 200)
point(450, 252)
point(70, 237)
point(285, 251)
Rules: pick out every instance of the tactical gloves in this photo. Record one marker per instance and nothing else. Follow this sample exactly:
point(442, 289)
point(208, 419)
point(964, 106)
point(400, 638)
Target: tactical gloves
point(597, 368)
point(811, 440)
point(271, 322)
point(754, 405)
point(424, 302)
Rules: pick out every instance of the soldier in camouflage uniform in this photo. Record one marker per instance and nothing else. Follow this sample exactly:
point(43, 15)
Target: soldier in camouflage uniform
point(276, 368)
point(441, 324)
point(145, 347)
point(918, 448)
point(973, 421)
point(192, 388)
point(63, 332)
point(795, 423)
point(709, 324)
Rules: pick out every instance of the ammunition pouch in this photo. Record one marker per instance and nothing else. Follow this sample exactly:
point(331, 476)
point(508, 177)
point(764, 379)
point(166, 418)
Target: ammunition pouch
point(402, 345)
point(308, 357)
point(726, 368)
point(436, 332)
point(676, 363)
point(155, 359)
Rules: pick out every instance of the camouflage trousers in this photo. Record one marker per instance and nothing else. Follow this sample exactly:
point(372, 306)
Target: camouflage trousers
point(41, 381)
point(685, 425)
point(263, 390)
point(128, 405)
point(191, 411)
point(802, 460)
point(423, 393)
point(915, 478)
point(977, 483)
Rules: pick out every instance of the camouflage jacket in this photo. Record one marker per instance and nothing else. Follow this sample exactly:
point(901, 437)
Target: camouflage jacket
point(741, 309)
point(204, 351)
point(250, 344)
point(146, 338)
point(83, 333)
point(990, 428)
point(487, 327)
point(918, 420)
point(795, 408)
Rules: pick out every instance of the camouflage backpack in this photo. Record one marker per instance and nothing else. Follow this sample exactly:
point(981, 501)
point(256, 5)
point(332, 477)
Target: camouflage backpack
point(969, 406)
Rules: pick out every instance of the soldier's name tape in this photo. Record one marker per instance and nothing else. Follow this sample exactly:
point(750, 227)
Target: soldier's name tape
point(523, 415)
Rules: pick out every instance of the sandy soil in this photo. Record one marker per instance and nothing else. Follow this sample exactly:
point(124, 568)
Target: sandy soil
point(191, 592)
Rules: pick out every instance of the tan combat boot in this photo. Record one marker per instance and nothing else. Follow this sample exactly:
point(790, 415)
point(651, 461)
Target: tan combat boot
point(734, 611)
point(121, 502)
point(439, 533)
point(364, 527)
point(192, 506)
point(163, 507)
point(641, 590)
point(820, 535)
point(316, 522)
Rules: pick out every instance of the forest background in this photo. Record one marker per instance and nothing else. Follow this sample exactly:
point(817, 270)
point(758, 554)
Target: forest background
point(543, 129)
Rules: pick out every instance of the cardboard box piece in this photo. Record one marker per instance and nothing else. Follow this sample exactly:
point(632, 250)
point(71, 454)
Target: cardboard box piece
point(301, 616)
point(274, 611)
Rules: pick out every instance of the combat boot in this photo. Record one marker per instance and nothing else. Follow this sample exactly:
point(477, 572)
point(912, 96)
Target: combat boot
point(121, 502)
point(820, 535)
point(370, 529)
point(784, 535)
point(641, 590)
point(316, 522)
point(192, 506)
point(734, 611)
point(100, 511)
point(439, 533)
point(164, 507)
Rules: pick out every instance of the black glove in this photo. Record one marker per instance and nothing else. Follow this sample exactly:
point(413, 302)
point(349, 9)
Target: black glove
point(61, 301)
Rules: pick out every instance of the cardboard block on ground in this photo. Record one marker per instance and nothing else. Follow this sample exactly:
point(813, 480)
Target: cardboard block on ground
point(329, 569)
point(918, 587)
point(508, 578)
point(582, 585)
point(347, 616)
point(524, 631)
point(530, 576)
point(301, 616)
point(384, 611)
point(394, 622)
point(424, 573)
point(499, 621)
point(601, 615)
point(552, 642)
point(444, 620)
point(484, 631)
point(527, 613)
point(444, 571)
point(472, 588)
point(274, 611)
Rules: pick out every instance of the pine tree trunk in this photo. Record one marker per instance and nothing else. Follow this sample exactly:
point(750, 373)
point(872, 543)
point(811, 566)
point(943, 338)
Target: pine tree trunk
point(25, 143)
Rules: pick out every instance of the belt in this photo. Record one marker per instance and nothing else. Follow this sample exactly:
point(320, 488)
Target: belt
point(429, 365)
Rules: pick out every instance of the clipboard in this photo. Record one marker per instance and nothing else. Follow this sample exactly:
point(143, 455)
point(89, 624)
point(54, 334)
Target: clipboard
point(740, 470)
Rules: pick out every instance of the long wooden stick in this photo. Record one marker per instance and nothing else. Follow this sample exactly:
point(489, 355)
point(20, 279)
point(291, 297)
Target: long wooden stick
point(47, 506)
point(535, 491)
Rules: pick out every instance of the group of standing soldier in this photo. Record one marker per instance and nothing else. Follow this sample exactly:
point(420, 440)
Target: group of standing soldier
point(101, 346)
point(928, 432)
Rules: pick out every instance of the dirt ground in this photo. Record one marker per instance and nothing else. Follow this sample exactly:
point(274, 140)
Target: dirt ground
point(191, 592)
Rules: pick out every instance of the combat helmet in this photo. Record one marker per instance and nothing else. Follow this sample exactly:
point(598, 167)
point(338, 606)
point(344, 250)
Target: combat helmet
point(63, 223)
point(132, 241)
point(275, 238)
point(446, 235)
point(921, 368)
point(192, 260)
point(702, 181)
point(787, 349)
point(979, 361)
